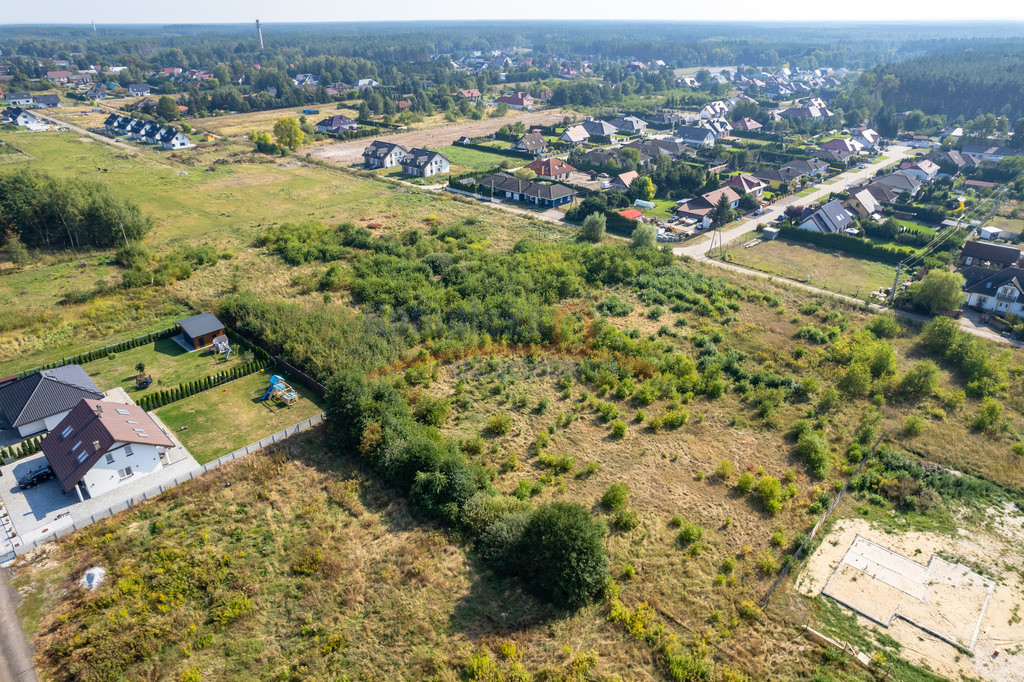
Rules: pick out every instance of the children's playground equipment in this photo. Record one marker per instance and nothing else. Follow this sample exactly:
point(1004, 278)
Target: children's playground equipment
point(280, 390)
point(221, 345)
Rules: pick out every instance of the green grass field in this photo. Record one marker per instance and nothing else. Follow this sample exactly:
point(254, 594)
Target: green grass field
point(840, 273)
point(232, 416)
point(166, 361)
point(465, 160)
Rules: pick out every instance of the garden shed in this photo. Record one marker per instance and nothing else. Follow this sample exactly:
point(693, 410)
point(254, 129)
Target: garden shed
point(200, 330)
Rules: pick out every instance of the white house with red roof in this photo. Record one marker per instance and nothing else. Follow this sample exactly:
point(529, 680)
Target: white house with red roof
point(551, 169)
point(747, 183)
point(924, 170)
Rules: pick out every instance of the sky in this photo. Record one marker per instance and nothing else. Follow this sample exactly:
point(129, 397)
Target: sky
point(238, 11)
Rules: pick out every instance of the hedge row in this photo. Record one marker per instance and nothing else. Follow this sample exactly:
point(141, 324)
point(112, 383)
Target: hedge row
point(101, 353)
point(23, 449)
point(190, 388)
point(845, 242)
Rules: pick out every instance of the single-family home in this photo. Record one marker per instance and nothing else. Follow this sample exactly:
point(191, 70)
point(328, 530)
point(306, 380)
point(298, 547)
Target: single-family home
point(705, 204)
point(777, 178)
point(200, 330)
point(59, 76)
point(424, 163)
point(747, 183)
point(867, 138)
point(924, 170)
point(863, 203)
point(900, 181)
point(883, 193)
point(533, 143)
point(598, 127)
point(541, 194)
point(807, 166)
point(337, 124)
point(138, 90)
point(153, 133)
point(472, 94)
point(716, 109)
point(552, 169)
point(986, 254)
point(21, 117)
point(96, 92)
point(172, 138)
point(622, 181)
point(609, 157)
point(950, 161)
point(100, 445)
point(630, 125)
point(1001, 292)
point(519, 100)
point(747, 124)
point(831, 218)
point(831, 155)
point(574, 135)
point(670, 119)
point(698, 137)
point(918, 141)
point(18, 99)
point(381, 154)
point(365, 84)
point(852, 145)
point(39, 401)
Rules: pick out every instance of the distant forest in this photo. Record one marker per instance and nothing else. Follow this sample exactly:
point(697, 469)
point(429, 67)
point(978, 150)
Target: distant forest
point(963, 84)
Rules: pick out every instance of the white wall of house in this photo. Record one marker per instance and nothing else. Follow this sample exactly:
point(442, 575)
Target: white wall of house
point(118, 466)
point(44, 424)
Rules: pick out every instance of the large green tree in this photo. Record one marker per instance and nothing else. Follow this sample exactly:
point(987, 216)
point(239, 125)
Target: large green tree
point(940, 290)
point(167, 109)
point(644, 237)
point(288, 133)
point(593, 227)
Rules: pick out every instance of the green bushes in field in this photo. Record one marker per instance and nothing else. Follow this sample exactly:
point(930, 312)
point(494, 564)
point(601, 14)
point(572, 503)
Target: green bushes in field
point(984, 371)
point(813, 449)
point(615, 497)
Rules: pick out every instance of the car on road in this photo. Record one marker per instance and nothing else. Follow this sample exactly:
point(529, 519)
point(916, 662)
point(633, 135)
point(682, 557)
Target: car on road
point(35, 477)
point(780, 218)
point(863, 165)
point(760, 211)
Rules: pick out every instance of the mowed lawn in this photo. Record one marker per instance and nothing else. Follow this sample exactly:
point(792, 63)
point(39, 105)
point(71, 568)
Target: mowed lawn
point(465, 160)
point(165, 360)
point(229, 417)
point(840, 272)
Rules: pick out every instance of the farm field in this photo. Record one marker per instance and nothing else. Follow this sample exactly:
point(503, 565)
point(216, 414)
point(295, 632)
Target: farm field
point(818, 267)
point(228, 417)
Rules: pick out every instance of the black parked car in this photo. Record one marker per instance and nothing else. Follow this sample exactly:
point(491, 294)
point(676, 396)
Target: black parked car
point(35, 477)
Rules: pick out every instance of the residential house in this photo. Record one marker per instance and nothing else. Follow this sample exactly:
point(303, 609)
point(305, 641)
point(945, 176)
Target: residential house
point(138, 90)
point(813, 109)
point(551, 169)
point(200, 330)
point(21, 117)
point(1001, 292)
point(381, 154)
point(519, 100)
point(630, 125)
point(336, 125)
point(59, 76)
point(923, 170)
point(304, 79)
point(533, 143)
point(153, 133)
point(78, 79)
point(599, 127)
point(698, 137)
point(954, 131)
point(918, 141)
point(901, 181)
point(883, 193)
point(473, 95)
point(171, 138)
point(574, 135)
point(623, 180)
point(990, 153)
point(607, 157)
point(366, 84)
point(808, 166)
point(541, 194)
point(852, 145)
point(96, 92)
point(747, 183)
point(39, 401)
point(716, 109)
point(831, 218)
point(864, 204)
point(986, 254)
point(831, 155)
point(670, 119)
point(747, 124)
point(424, 163)
point(867, 138)
point(100, 445)
point(18, 99)
point(652, 148)
point(777, 178)
point(949, 161)
point(705, 204)
point(172, 71)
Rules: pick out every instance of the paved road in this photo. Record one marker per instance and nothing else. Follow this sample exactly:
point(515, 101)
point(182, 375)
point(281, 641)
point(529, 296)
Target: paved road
point(83, 131)
point(895, 153)
point(15, 655)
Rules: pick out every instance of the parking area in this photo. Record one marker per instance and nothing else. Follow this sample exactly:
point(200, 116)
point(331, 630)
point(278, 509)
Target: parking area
point(27, 515)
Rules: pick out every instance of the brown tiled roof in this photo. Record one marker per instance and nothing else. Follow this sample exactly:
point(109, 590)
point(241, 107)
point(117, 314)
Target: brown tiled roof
point(95, 427)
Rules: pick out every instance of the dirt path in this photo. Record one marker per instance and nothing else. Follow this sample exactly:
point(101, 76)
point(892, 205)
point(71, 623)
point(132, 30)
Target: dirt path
point(430, 138)
point(83, 131)
point(15, 654)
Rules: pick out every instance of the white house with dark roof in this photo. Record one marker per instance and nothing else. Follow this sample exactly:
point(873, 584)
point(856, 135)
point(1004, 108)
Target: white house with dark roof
point(138, 90)
point(22, 118)
point(1002, 292)
point(423, 163)
point(39, 401)
point(598, 127)
point(18, 99)
point(831, 218)
point(381, 154)
point(534, 143)
point(698, 137)
point(336, 125)
point(46, 101)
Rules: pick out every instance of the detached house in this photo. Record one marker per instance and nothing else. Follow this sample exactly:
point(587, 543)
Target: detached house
point(424, 163)
point(46, 101)
point(702, 206)
point(868, 138)
point(534, 143)
point(1002, 292)
point(39, 401)
point(923, 170)
point(852, 146)
point(575, 135)
point(96, 92)
point(520, 100)
point(18, 99)
point(551, 169)
point(473, 95)
point(22, 118)
point(100, 445)
point(599, 127)
point(170, 138)
point(747, 183)
point(831, 218)
point(985, 254)
point(337, 124)
point(138, 90)
point(808, 166)
point(631, 125)
point(747, 124)
point(539, 193)
point(381, 154)
point(698, 137)
point(864, 204)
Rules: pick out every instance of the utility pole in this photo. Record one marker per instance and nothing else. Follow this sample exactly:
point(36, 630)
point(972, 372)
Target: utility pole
point(259, 33)
point(895, 282)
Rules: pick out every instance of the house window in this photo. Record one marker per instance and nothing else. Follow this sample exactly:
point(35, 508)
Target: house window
point(66, 432)
point(128, 450)
point(124, 473)
point(125, 412)
point(82, 456)
point(110, 458)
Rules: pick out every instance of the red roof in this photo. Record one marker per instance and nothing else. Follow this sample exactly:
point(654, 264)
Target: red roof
point(632, 213)
point(551, 168)
point(979, 183)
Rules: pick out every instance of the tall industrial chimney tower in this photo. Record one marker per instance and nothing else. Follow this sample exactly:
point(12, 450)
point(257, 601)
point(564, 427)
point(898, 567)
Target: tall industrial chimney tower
point(259, 33)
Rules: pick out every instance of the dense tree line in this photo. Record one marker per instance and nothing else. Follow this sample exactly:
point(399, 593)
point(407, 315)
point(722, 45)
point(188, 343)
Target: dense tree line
point(46, 211)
